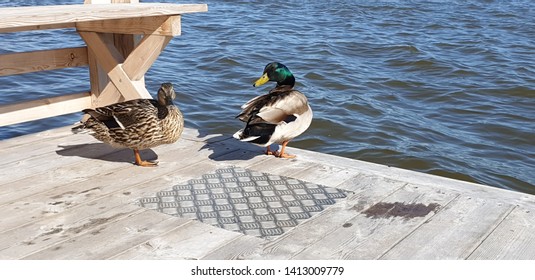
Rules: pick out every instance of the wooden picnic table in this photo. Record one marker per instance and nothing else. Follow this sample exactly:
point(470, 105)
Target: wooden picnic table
point(122, 42)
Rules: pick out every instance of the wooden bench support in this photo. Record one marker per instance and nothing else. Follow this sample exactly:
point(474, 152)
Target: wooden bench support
point(125, 74)
point(44, 108)
point(27, 62)
point(157, 25)
point(123, 41)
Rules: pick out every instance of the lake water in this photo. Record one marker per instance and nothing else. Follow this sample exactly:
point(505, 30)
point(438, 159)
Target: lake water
point(442, 87)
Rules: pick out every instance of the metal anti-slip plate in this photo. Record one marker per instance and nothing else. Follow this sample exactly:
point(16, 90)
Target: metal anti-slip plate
point(246, 201)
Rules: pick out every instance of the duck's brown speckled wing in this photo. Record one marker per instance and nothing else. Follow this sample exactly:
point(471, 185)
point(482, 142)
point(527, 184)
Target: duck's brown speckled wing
point(126, 114)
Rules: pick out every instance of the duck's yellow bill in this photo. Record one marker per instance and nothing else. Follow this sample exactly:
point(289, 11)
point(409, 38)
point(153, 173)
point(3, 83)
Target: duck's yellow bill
point(264, 79)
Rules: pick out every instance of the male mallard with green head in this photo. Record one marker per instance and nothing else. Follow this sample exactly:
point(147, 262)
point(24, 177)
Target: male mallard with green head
point(137, 124)
point(276, 117)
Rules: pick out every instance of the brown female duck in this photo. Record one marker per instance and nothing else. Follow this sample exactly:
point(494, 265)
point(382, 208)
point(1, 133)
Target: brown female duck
point(137, 124)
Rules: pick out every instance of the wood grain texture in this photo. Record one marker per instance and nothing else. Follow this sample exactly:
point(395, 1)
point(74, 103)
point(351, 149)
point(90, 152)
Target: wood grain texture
point(323, 224)
point(26, 62)
point(191, 241)
point(43, 108)
point(144, 55)
point(105, 241)
point(75, 195)
point(454, 233)
point(513, 239)
point(43, 17)
point(157, 25)
point(367, 236)
point(237, 249)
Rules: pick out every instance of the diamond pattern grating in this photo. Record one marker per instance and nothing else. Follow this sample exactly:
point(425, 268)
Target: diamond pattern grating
point(246, 201)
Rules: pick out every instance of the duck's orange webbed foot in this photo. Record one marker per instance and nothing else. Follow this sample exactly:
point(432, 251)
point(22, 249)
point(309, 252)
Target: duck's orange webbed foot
point(282, 154)
point(143, 163)
point(147, 163)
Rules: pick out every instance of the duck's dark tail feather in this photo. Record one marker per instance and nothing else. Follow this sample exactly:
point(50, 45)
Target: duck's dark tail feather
point(258, 133)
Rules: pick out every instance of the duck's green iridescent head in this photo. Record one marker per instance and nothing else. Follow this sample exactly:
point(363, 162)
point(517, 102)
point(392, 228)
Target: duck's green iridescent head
point(276, 72)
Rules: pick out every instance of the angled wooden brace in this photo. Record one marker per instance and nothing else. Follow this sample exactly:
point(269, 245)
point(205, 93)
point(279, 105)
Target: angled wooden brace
point(126, 75)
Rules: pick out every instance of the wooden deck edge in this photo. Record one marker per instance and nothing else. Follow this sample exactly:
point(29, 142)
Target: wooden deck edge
point(415, 177)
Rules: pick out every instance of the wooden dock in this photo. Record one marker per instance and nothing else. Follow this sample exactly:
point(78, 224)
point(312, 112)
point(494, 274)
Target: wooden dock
point(65, 196)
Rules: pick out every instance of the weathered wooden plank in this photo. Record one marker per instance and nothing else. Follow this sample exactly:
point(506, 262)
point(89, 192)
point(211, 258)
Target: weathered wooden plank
point(43, 17)
point(45, 147)
point(371, 233)
point(158, 25)
point(70, 208)
point(69, 174)
point(312, 171)
point(26, 62)
point(109, 1)
point(55, 229)
point(38, 27)
point(104, 242)
point(324, 174)
point(43, 108)
point(454, 232)
point(65, 221)
point(45, 138)
point(26, 209)
point(362, 182)
point(369, 192)
point(282, 167)
point(513, 239)
point(303, 169)
point(267, 164)
point(65, 154)
point(191, 242)
point(17, 142)
point(236, 249)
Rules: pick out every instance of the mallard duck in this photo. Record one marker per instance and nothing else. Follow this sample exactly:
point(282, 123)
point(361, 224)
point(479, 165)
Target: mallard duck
point(276, 117)
point(137, 124)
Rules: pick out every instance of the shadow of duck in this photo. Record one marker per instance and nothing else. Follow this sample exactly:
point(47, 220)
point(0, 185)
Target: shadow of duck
point(225, 147)
point(101, 151)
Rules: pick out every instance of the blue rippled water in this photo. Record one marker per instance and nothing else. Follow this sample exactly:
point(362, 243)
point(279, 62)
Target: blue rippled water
point(443, 87)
